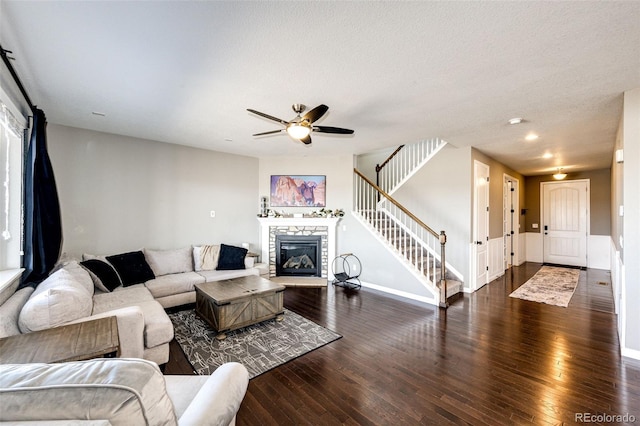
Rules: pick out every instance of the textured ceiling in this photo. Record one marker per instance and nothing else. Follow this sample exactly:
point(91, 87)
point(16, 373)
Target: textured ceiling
point(396, 72)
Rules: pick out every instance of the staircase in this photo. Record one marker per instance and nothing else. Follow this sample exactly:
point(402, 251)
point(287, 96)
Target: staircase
point(412, 242)
point(404, 162)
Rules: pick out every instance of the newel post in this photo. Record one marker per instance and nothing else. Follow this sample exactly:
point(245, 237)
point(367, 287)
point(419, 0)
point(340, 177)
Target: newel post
point(443, 281)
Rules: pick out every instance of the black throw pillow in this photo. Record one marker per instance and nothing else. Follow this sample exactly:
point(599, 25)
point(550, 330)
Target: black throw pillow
point(105, 273)
point(132, 267)
point(231, 257)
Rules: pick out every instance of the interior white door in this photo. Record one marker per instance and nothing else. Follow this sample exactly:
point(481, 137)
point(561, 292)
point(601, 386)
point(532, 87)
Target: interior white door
point(481, 223)
point(564, 222)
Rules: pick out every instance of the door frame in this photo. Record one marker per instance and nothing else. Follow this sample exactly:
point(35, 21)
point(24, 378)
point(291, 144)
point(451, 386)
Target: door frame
point(476, 217)
point(587, 214)
point(515, 218)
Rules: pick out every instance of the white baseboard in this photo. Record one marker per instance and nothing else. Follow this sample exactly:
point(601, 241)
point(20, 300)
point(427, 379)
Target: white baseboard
point(533, 244)
point(522, 249)
point(496, 258)
point(598, 252)
point(630, 353)
point(424, 299)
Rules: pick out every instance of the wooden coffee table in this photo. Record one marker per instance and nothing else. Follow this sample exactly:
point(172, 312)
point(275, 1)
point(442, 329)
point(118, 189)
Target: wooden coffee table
point(74, 342)
point(231, 304)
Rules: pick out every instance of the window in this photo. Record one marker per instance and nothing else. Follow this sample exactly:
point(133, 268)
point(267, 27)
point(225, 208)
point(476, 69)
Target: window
point(12, 127)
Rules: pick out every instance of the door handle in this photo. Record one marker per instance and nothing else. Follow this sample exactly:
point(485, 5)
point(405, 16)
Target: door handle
point(479, 243)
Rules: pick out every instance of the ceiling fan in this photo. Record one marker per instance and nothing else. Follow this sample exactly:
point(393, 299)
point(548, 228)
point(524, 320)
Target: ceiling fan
point(300, 128)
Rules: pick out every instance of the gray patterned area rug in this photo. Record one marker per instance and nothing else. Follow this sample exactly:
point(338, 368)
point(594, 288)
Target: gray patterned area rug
point(259, 347)
point(551, 285)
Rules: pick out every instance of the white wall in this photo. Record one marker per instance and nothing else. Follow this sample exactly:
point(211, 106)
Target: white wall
point(119, 193)
point(630, 249)
point(338, 171)
point(440, 195)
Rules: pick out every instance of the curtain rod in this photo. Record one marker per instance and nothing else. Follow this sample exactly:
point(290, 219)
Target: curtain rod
point(7, 62)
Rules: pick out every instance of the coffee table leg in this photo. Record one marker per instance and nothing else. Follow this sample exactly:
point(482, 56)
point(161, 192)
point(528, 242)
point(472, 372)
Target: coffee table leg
point(221, 336)
point(280, 317)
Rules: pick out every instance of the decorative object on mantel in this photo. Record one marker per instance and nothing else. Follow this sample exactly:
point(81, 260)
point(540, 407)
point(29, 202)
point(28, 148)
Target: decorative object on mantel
point(263, 207)
point(298, 191)
point(346, 270)
point(328, 213)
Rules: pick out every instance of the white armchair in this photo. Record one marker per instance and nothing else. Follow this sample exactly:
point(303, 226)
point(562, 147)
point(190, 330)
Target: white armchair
point(118, 392)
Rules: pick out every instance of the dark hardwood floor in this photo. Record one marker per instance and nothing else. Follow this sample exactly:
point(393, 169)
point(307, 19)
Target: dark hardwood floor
point(488, 359)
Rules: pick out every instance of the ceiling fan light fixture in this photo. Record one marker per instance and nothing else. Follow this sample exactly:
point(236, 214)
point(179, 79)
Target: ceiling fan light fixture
point(298, 131)
point(559, 175)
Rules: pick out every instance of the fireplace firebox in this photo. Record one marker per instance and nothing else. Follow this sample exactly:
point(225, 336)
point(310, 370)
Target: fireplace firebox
point(299, 255)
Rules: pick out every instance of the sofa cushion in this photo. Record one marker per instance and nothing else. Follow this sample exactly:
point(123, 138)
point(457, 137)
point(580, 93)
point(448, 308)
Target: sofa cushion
point(231, 257)
point(211, 276)
point(158, 328)
point(168, 285)
point(123, 391)
point(132, 267)
point(163, 262)
point(78, 274)
point(121, 297)
point(57, 300)
point(10, 310)
point(205, 258)
point(102, 273)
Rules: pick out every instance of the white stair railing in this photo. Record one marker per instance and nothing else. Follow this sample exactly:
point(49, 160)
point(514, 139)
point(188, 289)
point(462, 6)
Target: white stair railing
point(404, 162)
point(408, 235)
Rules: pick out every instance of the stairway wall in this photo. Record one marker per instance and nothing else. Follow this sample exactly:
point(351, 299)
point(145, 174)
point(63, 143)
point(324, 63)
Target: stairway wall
point(379, 266)
point(440, 195)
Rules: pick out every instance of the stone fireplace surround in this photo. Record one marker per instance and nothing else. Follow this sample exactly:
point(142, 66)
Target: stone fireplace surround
point(324, 227)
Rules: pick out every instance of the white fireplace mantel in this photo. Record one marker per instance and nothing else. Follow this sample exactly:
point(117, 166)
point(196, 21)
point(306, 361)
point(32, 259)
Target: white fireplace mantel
point(330, 223)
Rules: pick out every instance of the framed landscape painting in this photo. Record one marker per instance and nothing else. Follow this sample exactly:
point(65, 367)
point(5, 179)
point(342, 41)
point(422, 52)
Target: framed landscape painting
point(298, 191)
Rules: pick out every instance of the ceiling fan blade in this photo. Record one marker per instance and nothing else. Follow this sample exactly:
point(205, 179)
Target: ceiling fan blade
point(270, 117)
point(327, 129)
point(269, 132)
point(306, 140)
point(316, 113)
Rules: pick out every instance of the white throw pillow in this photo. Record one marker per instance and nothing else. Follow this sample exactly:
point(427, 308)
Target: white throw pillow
point(205, 258)
point(164, 262)
point(56, 301)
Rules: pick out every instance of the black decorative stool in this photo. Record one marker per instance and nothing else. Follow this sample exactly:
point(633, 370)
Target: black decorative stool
point(346, 269)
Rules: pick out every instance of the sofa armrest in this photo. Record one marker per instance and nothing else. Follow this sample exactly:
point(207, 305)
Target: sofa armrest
point(58, 423)
point(130, 329)
point(219, 399)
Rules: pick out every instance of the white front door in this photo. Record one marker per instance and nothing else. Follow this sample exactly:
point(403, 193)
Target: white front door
point(564, 222)
point(481, 224)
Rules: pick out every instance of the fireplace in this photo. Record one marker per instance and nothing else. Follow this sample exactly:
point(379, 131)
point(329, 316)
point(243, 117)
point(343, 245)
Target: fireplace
point(298, 255)
point(323, 227)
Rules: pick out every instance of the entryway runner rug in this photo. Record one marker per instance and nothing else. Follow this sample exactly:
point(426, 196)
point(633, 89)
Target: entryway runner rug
point(551, 285)
point(259, 347)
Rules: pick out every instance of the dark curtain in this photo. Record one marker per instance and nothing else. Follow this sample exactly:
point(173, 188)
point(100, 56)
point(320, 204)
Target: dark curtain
point(42, 224)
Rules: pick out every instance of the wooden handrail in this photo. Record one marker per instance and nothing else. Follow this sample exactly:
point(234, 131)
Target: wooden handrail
point(384, 163)
point(397, 204)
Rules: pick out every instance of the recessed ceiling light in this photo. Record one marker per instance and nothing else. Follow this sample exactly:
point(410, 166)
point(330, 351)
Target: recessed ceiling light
point(531, 137)
point(547, 155)
point(516, 120)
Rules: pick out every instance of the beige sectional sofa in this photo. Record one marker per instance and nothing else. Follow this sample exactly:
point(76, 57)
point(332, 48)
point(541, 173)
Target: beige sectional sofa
point(78, 291)
point(118, 392)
